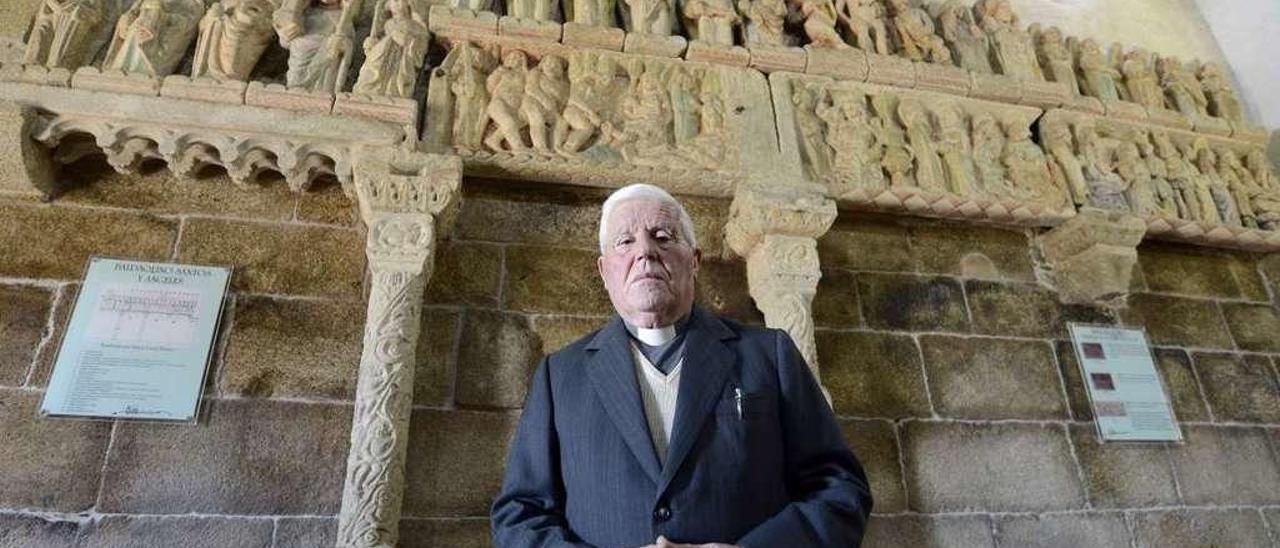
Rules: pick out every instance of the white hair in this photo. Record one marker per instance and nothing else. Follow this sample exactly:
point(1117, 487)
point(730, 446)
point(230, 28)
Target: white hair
point(641, 191)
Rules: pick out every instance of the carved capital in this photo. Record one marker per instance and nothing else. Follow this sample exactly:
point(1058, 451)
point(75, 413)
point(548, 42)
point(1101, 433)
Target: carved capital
point(404, 198)
point(756, 213)
point(27, 167)
point(1091, 256)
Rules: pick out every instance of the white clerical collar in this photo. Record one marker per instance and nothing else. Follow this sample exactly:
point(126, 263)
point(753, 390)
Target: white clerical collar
point(652, 336)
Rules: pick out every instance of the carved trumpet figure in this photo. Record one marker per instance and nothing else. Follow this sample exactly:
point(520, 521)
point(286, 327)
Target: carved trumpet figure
point(1223, 101)
point(233, 35)
point(1181, 88)
point(395, 50)
point(319, 35)
point(1014, 54)
point(864, 21)
point(711, 21)
point(969, 44)
point(763, 22)
point(914, 33)
point(152, 36)
point(63, 33)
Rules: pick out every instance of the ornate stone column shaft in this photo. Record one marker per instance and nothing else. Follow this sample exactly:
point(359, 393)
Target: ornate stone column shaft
point(405, 198)
point(777, 234)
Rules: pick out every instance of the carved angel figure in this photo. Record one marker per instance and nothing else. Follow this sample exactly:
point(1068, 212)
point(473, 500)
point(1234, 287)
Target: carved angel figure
point(1097, 71)
point(956, 150)
point(864, 21)
point(657, 17)
point(1058, 141)
point(63, 33)
point(1181, 88)
point(1140, 79)
point(545, 93)
point(711, 21)
point(914, 33)
point(1055, 58)
point(319, 36)
point(152, 36)
point(763, 21)
point(1223, 101)
point(233, 35)
point(395, 50)
point(506, 85)
point(856, 158)
point(1028, 168)
point(969, 44)
point(819, 23)
point(1014, 53)
point(915, 118)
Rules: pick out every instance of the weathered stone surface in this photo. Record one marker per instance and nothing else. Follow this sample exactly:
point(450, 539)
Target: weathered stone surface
point(466, 273)
point(48, 353)
point(914, 303)
point(1200, 528)
point(1239, 388)
point(554, 280)
point(836, 302)
point(873, 374)
point(496, 356)
point(994, 467)
point(1178, 322)
point(876, 445)
point(1062, 530)
point(947, 249)
point(1175, 369)
point(29, 531)
point(1069, 366)
point(455, 461)
point(454, 533)
point(17, 19)
point(293, 348)
point(1187, 270)
point(1025, 310)
point(858, 244)
point(929, 532)
point(29, 232)
point(721, 286)
point(247, 457)
point(556, 332)
point(327, 205)
point(1226, 465)
point(187, 531)
point(49, 465)
point(982, 378)
point(510, 211)
point(1256, 327)
point(1120, 475)
point(1248, 269)
point(433, 377)
point(279, 258)
point(24, 317)
point(1270, 267)
point(305, 532)
point(709, 217)
point(92, 182)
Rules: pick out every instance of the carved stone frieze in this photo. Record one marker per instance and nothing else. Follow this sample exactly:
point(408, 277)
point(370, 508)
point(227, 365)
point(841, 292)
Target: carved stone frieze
point(233, 35)
point(319, 35)
point(1091, 256)
point(152, 36)
point(69, 33)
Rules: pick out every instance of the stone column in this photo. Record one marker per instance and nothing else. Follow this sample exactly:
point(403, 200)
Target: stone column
point(1091, 256)
point(405, 199)
point(777, 233)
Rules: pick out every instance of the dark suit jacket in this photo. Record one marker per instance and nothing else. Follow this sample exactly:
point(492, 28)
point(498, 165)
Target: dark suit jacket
point(583, 470)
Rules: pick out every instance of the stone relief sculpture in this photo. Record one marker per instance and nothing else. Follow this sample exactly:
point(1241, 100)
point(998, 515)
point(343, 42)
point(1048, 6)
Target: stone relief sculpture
point(1181, 88)
point(545, 96)
point(988, 147)
point(969, 44)
point(1133, 170)
point(395, 50)
point(65, 33)
point(1011, 46)
point(805, 98)
point(920, 136)
point(712, 21)
point(956, 149)
point(855, 154)
point(1223, 101)
point(534, 10)
point(152, 36)
point(1107, 190)
point(233, 35)
point(1260, 189)
point(1140, 79)
point(466, 67)
point(1060, 143)
point(1212, 184)
point(1169, 203)
point(818, 19)
point(657, 17)
point(896, 156)
point(505, 87)
point(1055, 57)
point(592, 88)
point(1027, 168)
point(914, 34)
point(595, 13)
point(1097, 71)
point(864, 23)
point(319, 35)
point(763, 22)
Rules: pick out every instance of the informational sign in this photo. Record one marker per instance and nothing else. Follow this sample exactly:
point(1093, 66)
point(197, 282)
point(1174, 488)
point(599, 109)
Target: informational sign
point(138, 342)
point(1129, 400)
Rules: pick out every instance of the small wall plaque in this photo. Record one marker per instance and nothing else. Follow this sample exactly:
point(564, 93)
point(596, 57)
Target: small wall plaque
point(1128, 397)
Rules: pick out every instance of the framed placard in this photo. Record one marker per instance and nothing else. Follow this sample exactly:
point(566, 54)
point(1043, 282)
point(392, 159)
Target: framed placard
point(1128, 397)
point(139, 340)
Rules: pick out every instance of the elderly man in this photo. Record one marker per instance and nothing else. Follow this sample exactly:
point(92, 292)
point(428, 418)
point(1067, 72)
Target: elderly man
point(672, 427)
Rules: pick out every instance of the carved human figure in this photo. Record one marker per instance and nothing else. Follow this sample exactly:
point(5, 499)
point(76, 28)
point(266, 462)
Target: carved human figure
point(466, 66)
point(534, 10)
point(506, 87)
point(645, 136)
point(855, 155)
point(1210, 176)
point(657, 17)
point(763, 22)
point(1169, 202)
point(1098, 73)
point(64, 32)
point(596, 13)
point(1055, 58)
point(319, 35)
point(864, 22)
point(810, 129)
point(1209, 211)
point(956, 150)
point(914, 34)
point(1180, 173)
point(395, 50)
point(546, 90)
point(1133, 169)
point(1181, 88)
point(819, 23)
point(1223, 101)
point(1265, 197)
point(706, 149)
point(152, 36)
point(895, 156)
point(988, 146)
point(1014, 53)
point(582, 117)
point(686, 104)
point(970, 45)
point(1028, 167)
point(1058, 141)
point(1239, 184)
point(711, 21)
point(1140, 79)
point(920, 136)
point(1106, 188)
point(233, 35)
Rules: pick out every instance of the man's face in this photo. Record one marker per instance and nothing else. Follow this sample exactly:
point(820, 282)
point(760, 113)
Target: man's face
point(648, 265)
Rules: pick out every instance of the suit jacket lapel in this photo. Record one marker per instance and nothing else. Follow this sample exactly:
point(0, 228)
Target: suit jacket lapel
point(707, 364)
point(612, 373)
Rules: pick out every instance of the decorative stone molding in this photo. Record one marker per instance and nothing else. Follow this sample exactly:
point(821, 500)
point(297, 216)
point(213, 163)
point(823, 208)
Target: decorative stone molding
point(1091, 256)
point(26, 168)
point(406, 198)
point(776, 232)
